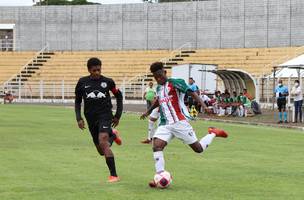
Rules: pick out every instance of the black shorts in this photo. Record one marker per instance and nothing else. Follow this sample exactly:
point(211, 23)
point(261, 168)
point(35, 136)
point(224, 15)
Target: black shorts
point(99, 126)
point(281, 102)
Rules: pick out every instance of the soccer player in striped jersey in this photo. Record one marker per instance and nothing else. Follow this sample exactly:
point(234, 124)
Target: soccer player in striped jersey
point(173, 117)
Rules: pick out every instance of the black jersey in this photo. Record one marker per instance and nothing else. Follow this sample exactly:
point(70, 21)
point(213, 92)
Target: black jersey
point(96, 96)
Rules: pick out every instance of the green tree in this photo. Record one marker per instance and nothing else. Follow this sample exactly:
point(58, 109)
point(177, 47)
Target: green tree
point(63, 2)
point(162, 1)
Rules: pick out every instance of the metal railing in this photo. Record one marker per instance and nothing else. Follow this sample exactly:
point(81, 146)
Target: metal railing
point(61, 91)
point(176, 52)
point(25, 67)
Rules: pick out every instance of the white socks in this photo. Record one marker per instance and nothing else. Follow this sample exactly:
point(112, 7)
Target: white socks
point(206, 141)
point(159, 161)
point(151, 129)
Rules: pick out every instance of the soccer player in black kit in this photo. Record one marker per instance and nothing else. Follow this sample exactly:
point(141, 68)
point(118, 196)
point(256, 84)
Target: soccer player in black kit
point(95, 91)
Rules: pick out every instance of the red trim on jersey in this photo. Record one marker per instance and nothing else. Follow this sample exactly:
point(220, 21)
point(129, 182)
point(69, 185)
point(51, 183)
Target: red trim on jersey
point(114, 90)
point(168, 103)
point(175, 103)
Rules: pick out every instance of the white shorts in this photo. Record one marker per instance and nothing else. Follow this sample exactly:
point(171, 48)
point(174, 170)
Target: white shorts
point(181, 130)
point(155, 113)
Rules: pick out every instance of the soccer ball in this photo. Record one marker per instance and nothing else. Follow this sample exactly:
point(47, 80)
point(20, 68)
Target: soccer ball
point(163, 179)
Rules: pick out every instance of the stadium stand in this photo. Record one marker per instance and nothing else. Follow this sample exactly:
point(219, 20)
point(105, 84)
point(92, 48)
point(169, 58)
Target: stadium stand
point(256, 61)
point(12, 62)
point(122, 66)
point(131, 68)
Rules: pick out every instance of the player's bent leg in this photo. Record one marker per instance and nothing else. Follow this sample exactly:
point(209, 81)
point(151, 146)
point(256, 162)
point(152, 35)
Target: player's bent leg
point(202, 145)
point(105, 147)
point(158, 155)
point(196, 147)
point(115, 137)
point(104, 144)
point(151, 127)
point(158, 144)
point(99, 150)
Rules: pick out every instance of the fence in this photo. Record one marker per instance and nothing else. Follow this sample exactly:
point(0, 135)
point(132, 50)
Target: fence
point(266, 87)
point(45, 91)
point(7, 45)
point(63, 90)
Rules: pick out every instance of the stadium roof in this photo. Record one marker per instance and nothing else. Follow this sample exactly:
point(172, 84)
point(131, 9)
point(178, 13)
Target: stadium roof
point(297, 62)
point(286, 73)
point(6, 26)
point(237, 80)
point(291, 68)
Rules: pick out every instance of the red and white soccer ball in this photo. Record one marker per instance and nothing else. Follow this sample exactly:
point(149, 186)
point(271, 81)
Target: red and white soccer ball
point(163, 179)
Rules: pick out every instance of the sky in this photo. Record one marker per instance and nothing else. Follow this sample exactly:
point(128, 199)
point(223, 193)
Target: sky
point(30, 2)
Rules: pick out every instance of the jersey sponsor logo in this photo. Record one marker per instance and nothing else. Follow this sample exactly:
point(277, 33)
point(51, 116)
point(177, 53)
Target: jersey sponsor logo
point(165, 99)
point(96, 95)
point(105, 127)
point(87, 86)
point(103, 84)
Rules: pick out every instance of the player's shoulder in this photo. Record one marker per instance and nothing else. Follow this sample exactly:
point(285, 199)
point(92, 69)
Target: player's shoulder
point(84, 79)
point(175, 80)
point(107, 79)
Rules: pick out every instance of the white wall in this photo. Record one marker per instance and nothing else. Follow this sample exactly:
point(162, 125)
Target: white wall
point(203, 79)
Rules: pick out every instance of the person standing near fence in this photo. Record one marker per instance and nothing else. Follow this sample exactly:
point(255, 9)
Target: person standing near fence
point(281, 93)
point(149, 94)
point(296, 92)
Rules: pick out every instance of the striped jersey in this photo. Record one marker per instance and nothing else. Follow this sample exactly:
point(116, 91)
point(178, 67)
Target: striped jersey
point(171, 101)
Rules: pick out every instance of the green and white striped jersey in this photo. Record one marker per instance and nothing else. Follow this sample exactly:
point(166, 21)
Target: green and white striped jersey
point(171, 100)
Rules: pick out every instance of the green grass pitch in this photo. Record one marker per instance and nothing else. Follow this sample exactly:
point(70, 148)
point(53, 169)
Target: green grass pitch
point(43, 155)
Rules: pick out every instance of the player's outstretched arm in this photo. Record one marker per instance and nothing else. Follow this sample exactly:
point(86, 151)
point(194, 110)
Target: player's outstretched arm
point(154, 105)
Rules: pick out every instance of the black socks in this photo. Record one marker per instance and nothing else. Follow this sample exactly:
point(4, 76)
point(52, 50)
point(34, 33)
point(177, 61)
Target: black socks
point(111, 165)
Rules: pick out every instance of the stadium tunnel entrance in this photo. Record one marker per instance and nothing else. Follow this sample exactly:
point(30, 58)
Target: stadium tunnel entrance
point(205, 77)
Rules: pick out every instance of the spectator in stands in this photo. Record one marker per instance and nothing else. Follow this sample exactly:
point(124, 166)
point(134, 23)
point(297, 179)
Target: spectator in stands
point(149, 95)
point(296, 92)
point(246, 94)
point(7, 97)
point(194, 88)
point(281, 93)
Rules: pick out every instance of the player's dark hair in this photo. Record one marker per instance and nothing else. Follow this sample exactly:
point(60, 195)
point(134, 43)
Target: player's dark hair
point(156, 66)
point(297, 81)
point(93, 62)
